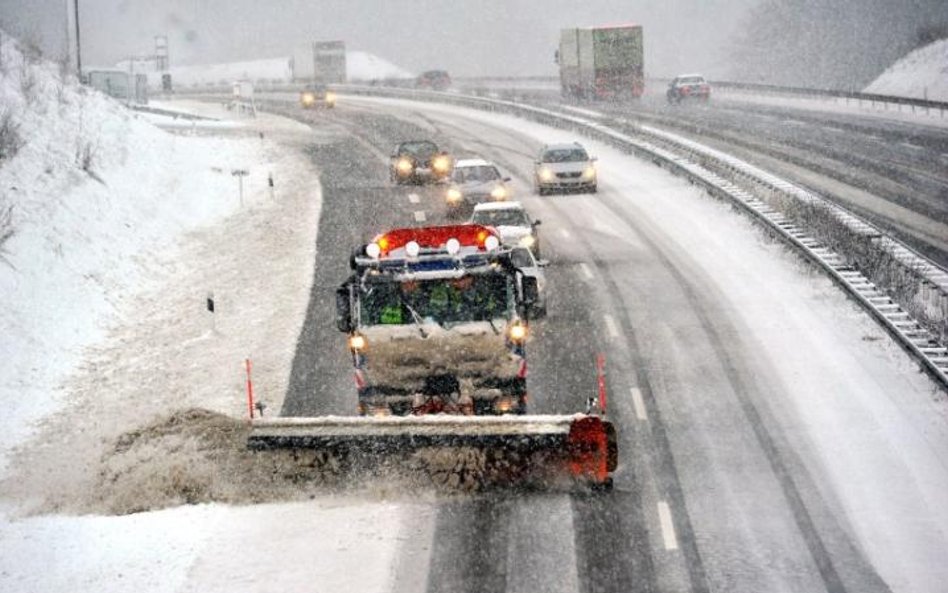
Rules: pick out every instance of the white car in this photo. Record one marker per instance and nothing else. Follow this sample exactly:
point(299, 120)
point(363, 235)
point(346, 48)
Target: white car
point(564, 167)
point(524, 259)
point(512, 222)
point(475, 181)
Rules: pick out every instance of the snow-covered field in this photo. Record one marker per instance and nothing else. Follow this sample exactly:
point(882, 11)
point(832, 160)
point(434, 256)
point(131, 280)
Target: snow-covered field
point(923, 74)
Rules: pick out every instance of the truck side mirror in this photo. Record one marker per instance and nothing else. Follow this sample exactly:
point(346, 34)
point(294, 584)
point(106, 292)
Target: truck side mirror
point(537, 222)
point(343, 309)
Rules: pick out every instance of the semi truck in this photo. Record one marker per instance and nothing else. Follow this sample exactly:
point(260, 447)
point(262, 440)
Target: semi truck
point(320, 61)
point(601, 62)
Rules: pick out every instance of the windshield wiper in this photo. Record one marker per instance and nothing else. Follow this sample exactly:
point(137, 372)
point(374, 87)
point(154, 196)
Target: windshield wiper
point(415, 317)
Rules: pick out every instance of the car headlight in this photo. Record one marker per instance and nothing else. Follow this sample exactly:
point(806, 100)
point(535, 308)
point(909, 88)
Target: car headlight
point(499, 193)
point(589, 172)
point(546, 174)
point(404, 166)
point(330, 97)
point(441, 164)
point(528, 241)
point(308, 98)
point(454, 195)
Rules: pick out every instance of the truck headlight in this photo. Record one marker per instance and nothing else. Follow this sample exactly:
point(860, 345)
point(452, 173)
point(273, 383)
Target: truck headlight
point(517, 332)
point(499, 193)
point(404, 166)
point(589, 172)
point(528, 241)
point(357, 342)
point(546, 174)
point(454, 195)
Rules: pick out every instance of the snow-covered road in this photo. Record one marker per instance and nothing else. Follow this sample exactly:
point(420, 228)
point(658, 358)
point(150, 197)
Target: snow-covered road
point(776, 401)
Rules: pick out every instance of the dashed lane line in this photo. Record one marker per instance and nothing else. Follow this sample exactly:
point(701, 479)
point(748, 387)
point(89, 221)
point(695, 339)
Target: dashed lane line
point(586, 271)
point(414, 198)
point(420, 216)
point(639, 404)
point(668, 528)
point(611, 326)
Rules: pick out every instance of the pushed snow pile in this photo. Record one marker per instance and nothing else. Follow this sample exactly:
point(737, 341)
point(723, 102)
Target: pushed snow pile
point(363, 66)
point(89, 196)
point(923, 74)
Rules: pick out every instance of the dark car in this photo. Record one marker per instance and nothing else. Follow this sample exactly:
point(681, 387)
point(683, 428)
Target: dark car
point(688, 86)
point(419, 161)
point(317, 95)
point(435, 80)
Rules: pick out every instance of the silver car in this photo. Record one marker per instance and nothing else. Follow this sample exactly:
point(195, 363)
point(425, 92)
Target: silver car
point(474, 181)
point(524, 259)
point(563, 167)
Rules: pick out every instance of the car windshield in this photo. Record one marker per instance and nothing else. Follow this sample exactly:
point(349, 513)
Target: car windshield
point(478, 173)
point(445, 301)
point(564, 155)
point(422, 149)
point(691, 80)
point(504, 217)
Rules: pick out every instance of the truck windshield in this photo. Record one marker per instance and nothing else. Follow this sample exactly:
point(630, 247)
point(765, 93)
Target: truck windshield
point(447, 301)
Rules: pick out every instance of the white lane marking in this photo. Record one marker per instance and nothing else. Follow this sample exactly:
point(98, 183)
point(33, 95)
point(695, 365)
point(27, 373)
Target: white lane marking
point(944, 156)
point(420, 216)
point(611, 326)
point(586, 271)
point(912, 146)
point(565, 233)
point(639, 404)
point(668, 528)
point(413, 198)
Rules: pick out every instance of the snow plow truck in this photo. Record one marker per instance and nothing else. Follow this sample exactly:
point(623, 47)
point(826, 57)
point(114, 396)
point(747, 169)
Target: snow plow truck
point(437, 321)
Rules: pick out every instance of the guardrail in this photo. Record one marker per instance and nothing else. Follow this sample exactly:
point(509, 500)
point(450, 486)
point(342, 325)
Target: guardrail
point(871, 98)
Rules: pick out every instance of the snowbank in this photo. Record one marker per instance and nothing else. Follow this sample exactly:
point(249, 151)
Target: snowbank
point(99, 197)
point(923, 74)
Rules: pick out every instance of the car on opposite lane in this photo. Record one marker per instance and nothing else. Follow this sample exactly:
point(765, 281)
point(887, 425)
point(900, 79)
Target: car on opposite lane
point(688, 86)
point(475, 181)
point(419, 161)
point(524, 259)
point(512, 222)
point(564, 167)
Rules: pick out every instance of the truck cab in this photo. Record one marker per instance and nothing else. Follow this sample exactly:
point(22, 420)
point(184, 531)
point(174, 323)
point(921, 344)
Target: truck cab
point(437, 321)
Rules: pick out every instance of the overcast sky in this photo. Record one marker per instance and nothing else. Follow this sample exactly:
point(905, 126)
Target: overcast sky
point(474, 37)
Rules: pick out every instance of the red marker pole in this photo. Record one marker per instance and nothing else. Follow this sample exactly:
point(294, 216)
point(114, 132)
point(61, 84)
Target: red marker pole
point(601, 377)
point(249, 389)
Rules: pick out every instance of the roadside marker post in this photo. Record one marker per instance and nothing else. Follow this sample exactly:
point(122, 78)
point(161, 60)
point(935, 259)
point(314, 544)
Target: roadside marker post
point(250, 405)
point(240, 174)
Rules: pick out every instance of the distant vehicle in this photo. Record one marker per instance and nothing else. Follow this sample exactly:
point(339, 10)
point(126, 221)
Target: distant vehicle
point(434, 80)
point(419, 161)
point(512, 222)
point(688, 86)
point(317, 95)
point(474, 181)
point(565, 167)
point(601, 62)
point(119, 84)
point(320, 61)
